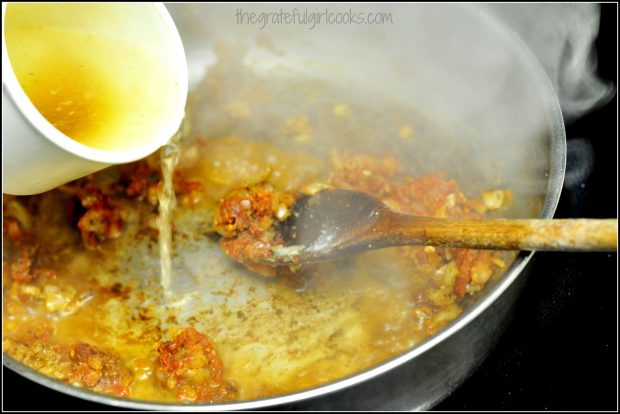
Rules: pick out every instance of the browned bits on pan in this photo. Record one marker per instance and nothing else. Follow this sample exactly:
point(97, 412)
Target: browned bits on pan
point(141, 181)
point(22, 249)
point(20, 269)
point(189, 192)
point(245, 218)
point(99, 370)
point(253, 209)
point(36, 350)
point(430, 195)
point(78, 364)
point(103, 218)
point(190, 365)
point(12, 229)
point(101, 215)
point(119, 290)
point(247, 215)
point(249, 249)
point(464, 259)
point(365, 173)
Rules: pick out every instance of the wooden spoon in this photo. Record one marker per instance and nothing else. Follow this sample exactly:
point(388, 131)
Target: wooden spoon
point(336, 223)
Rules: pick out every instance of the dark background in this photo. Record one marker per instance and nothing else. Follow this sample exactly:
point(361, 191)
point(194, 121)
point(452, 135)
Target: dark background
point(560, 350)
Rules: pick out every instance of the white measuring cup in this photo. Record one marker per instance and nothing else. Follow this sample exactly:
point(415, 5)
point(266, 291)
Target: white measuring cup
point(145, 110)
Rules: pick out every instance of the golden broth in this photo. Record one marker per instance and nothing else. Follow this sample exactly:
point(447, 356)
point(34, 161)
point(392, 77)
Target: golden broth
point(100, 91)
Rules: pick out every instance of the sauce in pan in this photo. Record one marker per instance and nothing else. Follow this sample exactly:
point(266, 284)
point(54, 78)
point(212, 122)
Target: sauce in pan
point(81, 270)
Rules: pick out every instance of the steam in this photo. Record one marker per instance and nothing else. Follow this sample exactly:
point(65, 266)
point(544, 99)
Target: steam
point(562, 37)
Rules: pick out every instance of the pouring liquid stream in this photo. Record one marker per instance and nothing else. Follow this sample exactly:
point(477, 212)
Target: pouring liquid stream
point(109, 106)
point(170, 155)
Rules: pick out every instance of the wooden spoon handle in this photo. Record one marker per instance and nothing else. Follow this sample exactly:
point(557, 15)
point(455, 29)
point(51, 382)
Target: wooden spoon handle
point(504, 234)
